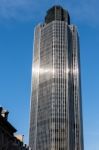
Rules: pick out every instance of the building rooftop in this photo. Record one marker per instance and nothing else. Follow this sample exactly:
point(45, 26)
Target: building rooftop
point(57, 13)
point(4, 121)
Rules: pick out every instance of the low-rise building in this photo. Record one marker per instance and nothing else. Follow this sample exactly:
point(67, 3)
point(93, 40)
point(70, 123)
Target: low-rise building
point(8, 141)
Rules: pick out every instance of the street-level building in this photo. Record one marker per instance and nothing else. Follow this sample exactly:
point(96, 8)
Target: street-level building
point(7, 139)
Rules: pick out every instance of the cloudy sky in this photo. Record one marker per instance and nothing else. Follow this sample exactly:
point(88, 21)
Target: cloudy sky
point(86, 10)
point(17, 21)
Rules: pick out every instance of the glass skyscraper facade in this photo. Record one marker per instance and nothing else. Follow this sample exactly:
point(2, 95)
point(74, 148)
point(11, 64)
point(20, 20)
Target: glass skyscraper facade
point(56, 104)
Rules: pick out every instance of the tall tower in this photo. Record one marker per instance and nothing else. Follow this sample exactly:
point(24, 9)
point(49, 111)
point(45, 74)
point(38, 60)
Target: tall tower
point(56, 105)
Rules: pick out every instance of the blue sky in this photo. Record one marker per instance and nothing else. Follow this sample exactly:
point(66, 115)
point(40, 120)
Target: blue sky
point(17, 21)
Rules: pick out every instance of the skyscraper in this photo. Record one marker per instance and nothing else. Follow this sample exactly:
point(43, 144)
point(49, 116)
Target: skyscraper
point(56, 105)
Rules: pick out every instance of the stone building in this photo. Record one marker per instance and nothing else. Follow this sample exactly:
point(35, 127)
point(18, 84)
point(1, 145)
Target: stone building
point(7, 139)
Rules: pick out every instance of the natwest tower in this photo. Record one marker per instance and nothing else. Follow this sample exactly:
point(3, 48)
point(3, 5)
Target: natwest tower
point(56, 107)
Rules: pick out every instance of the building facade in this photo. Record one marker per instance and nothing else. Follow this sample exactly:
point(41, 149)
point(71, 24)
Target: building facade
point(8, 141)
point(56, 104)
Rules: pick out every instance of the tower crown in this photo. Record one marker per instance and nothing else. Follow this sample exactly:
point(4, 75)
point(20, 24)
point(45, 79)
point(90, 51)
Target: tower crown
point(57, 13)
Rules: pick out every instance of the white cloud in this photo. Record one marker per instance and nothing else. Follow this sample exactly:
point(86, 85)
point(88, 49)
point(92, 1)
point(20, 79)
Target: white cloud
point(86, 10)
point(14, 9)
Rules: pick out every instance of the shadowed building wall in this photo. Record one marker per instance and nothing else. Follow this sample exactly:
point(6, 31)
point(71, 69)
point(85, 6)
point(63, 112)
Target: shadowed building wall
point(8, 141)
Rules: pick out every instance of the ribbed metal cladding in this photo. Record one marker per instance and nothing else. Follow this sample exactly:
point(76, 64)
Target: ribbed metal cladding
point(56, 107)
point(57, 13)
